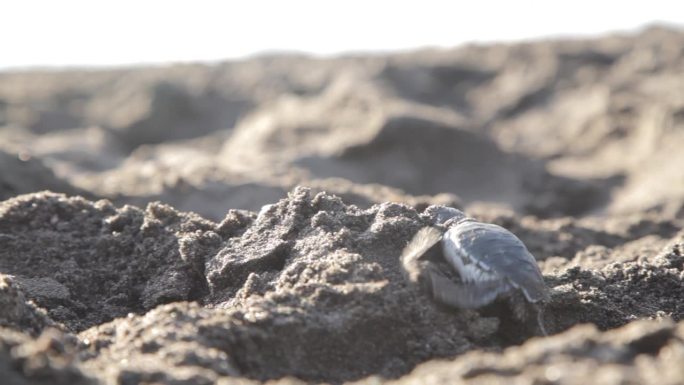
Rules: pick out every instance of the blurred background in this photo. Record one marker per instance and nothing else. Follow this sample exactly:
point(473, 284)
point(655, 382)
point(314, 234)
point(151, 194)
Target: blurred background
point(546, 109)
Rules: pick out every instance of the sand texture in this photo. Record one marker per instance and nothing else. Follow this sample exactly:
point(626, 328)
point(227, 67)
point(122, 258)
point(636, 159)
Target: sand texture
point(243, 222)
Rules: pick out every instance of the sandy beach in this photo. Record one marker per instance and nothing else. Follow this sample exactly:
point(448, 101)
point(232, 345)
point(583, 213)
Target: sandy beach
point(242, 222)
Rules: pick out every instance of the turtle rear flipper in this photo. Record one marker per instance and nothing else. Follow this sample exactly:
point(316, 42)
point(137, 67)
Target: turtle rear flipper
point(539, 308)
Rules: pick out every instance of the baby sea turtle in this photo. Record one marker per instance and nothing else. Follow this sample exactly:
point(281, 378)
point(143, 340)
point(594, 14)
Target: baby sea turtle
point(490, 261)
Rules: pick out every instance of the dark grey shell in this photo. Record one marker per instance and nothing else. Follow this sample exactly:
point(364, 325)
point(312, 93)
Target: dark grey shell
point(483, 253)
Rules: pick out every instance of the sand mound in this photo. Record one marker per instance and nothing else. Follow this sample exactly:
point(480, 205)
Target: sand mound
point(21, 174)
point(310, 288)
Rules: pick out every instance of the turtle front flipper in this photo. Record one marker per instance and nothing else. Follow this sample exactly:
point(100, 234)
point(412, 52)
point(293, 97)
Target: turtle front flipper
point(421, 242)
point(464, 296)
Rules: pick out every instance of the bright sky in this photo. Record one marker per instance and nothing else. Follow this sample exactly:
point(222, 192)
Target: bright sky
point(87, 32)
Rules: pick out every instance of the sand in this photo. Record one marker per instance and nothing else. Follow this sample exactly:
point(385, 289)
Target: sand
point(242, 222)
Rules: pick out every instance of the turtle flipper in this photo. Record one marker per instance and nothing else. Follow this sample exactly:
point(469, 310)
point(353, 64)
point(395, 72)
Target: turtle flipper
point(464, 296)
point(422, 241)
point(540, 319)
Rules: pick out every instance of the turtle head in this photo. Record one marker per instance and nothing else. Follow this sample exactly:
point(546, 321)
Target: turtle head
point(440, 215)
